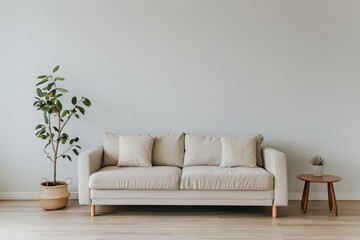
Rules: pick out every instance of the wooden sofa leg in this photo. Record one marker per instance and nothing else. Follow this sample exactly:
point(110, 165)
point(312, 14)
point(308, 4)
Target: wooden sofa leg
point(92, 210)
point(274, 211)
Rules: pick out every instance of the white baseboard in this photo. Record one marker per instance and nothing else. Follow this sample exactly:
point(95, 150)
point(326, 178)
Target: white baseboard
point(27, 195)
point(324, 196)
point(74, 195)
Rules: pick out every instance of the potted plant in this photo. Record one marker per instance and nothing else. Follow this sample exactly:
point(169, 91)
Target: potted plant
point(54, 194)
point(318, 163)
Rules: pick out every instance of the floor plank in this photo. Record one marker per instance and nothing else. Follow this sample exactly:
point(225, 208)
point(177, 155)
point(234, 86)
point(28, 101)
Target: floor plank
point(26, 220)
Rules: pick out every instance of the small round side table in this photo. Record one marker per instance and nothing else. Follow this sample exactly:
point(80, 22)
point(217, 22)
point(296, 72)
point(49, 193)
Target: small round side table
point(329, 179)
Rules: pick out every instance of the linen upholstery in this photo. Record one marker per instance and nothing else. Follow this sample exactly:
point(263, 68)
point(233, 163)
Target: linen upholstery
point(238, 151)
point(136, 178)
point(135, 151)
point(89, 162)
point(218, 178)
point(168, 150)
point(111, 149)
point(275, 163)
point(202, 150)
point(259, 156)
point(181, 194)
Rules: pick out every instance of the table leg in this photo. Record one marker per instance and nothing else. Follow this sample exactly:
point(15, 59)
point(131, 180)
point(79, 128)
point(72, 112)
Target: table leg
point(333, 200)
point(329, 196)
point(306, 199)
point(303, 197)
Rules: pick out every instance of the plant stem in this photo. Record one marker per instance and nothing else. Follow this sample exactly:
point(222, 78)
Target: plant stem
point(57, 147)
point(70, 115)
point(66, 151)
point(53, 147)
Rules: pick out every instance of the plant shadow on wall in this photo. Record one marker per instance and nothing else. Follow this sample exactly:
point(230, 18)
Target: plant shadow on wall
point(54, 194)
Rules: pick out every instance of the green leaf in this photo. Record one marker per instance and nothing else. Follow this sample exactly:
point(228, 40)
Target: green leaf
point(55, 128)
point(42, 76)
point(63, 156)
point(82, 110)
point(35, 103)
point(61, 79)
point(47, 144)
point(75, 151)
point(41, 82)
point(63, 140)
point(59, 95)
point(78, 146)
point(56, 68)
point(39, 92)
point(58, 106)
point(39, 126)
point(77, 116)
point(46, 108)
point(46, 119)
point(41, 132)
point(87, 102)
point(72, 141)
point(68, 157)
point(74, 100)
point(65, 113)
point(49, 86)
point(63, 90)
point(76, 139)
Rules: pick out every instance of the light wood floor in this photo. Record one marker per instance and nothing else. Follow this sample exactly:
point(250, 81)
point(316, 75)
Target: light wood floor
point(26, 220)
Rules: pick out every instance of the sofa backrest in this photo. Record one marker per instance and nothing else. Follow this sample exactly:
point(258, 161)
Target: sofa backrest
point(178, 150)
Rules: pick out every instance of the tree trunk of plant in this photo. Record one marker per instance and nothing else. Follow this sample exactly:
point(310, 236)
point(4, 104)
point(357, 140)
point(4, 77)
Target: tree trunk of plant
point(55, 171)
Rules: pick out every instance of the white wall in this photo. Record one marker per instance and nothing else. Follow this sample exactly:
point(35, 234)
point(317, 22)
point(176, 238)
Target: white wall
point(286, 69)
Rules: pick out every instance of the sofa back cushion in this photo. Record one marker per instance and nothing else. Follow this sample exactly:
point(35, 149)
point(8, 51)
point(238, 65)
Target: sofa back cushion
point(135, 151)
point(259, 157)
point(169, 150)
point(202, 150)
point(111, 149)
point(238, 151)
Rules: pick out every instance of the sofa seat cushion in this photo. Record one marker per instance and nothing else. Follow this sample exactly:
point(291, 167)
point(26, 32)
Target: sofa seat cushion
point(218, 178)
point(136, 178)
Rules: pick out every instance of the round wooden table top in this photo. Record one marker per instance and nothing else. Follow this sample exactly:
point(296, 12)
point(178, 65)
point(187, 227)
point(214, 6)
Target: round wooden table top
point(322, 179)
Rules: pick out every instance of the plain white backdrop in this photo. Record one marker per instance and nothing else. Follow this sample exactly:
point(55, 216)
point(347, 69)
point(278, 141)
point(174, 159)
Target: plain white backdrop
point(287, 69)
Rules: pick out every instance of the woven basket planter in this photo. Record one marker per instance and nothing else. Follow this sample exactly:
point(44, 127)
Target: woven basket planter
point(54, 197)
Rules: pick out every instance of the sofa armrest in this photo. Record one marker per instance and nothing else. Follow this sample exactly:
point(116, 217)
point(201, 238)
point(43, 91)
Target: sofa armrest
point(88, 162)
point(275, 163)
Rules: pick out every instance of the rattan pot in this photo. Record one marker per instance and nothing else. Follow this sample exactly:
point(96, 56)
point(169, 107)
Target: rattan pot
point(54, 197)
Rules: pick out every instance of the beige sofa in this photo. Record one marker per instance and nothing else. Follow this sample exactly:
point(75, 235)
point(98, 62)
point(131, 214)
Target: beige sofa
point(185, 170)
